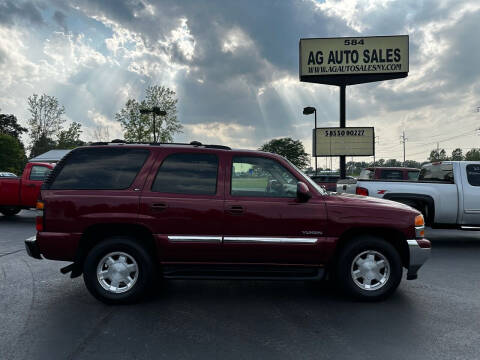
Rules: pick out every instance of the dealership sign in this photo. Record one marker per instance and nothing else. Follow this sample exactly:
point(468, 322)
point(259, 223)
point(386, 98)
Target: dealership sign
point(350, 141)
point(353, 60)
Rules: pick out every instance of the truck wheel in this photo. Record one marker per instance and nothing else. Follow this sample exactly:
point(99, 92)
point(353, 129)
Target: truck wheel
point(369, 268)
point(10, 211)
point(118, 270)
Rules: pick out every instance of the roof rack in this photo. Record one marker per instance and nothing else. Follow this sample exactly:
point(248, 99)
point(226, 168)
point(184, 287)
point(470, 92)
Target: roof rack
point(192, 143)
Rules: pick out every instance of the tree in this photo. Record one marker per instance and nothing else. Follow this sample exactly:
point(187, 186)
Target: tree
point(473, 155)
point(412, 164)
point(9, 125)
point(42, 145)
point(393, 163)
point(457, 155)
point(136, 126)
point(45, 116)
point(70, 138)
point(291, 149)
point(139, 127)
point(438, 155)
point(12, 154)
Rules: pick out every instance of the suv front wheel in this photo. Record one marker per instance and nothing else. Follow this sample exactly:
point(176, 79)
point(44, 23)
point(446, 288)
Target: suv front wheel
point(369, 268)
point(118, 270)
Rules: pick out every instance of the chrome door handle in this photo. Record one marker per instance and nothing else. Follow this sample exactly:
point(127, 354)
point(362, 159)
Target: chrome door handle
point(235, 210)
point(159, 206)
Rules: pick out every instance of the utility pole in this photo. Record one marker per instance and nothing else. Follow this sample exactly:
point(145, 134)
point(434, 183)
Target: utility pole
point(403, 140)
point(376, 140)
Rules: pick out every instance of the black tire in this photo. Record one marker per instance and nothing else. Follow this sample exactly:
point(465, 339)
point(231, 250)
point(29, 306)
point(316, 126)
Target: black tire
point(10, 211)
point(344, 267)
point(145, 275)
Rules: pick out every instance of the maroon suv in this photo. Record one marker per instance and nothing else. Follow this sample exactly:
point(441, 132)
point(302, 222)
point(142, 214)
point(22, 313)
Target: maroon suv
point(126, 214)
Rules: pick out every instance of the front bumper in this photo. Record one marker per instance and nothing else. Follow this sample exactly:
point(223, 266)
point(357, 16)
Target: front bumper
point(419, 254)
point(32, 247)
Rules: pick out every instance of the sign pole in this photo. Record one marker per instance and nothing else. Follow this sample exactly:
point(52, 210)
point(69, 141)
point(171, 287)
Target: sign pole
point(342, 125)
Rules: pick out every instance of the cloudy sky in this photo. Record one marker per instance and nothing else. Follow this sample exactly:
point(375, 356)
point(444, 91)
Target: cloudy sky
point(234, 66)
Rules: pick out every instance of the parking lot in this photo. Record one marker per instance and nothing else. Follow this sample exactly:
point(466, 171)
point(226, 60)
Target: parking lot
point(46, 315)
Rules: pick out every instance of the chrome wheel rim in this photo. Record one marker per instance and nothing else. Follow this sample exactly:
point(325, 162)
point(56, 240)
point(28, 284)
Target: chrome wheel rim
point(117, 272)
point(370, 270)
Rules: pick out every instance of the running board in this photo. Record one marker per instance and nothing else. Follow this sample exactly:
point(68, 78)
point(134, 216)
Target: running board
point(242, 273)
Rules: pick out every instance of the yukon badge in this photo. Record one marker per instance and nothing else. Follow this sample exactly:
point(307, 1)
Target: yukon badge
point(311, 232)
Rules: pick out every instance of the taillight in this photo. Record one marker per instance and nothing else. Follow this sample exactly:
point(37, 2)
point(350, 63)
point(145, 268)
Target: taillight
point(361, 191)
point(39, 219)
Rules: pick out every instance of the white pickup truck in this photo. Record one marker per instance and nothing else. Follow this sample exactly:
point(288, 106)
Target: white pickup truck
point(447, 193)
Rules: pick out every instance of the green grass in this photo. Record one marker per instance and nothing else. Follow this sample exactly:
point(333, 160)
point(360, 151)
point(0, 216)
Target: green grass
point(250, 183)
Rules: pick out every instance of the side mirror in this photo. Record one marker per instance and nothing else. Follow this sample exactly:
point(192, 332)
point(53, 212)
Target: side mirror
point(303, 194)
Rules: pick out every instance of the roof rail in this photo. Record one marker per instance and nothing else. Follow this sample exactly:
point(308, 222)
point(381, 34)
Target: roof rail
point(99, 143)
point(222, 147)
point(192, 143)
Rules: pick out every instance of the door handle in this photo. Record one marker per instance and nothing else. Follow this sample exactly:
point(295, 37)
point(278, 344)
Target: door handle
point(235, 210)
point(159, 206)
point(31, 185)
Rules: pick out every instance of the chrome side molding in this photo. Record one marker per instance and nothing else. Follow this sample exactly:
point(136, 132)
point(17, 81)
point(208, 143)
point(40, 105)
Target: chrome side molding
point(242, 239)
point(195, 238)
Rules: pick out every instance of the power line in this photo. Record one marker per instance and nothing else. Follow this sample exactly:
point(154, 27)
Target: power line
point(436, 141)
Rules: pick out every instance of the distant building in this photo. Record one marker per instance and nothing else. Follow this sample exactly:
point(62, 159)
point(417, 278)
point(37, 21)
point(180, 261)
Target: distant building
point(52, 156)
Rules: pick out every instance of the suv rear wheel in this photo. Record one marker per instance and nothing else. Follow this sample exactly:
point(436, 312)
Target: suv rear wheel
point(369, 268)
point(118, 270)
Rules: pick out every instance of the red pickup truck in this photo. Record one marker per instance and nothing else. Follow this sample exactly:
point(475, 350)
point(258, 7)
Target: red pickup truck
point(22, 192)
point(124, 214)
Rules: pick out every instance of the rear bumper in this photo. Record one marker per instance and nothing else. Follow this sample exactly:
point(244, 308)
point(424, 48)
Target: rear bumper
point(32, 247)
point(419, 251)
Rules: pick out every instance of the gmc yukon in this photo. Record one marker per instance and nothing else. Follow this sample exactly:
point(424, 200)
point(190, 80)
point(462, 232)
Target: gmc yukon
point(126, 214)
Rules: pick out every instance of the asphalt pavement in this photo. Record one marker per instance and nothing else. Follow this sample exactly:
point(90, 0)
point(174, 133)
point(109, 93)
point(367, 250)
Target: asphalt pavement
point(47, 315)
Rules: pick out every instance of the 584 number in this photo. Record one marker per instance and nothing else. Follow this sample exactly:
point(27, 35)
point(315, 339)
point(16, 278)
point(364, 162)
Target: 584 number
point(354, 42)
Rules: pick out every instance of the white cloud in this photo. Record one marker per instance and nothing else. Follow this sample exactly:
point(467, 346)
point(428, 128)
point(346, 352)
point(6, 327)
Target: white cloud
point(15, 64)
point(67, 53)
point(236, 39)
point(225, 134)
point(234, 66)
point(102, 126)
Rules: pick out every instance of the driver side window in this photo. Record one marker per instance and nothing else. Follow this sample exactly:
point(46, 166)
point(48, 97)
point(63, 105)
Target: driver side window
point(261, 177)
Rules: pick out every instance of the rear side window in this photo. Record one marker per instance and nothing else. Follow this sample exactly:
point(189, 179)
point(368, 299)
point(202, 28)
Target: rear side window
point(184, 173)
point(100, 169)
point(413, 175)
point(438, 172)
point(473, 175)
point(392, 174)
point(39, 173)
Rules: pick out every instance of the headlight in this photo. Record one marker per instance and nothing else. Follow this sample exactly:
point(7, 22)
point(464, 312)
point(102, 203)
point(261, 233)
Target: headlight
point(419, 226)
